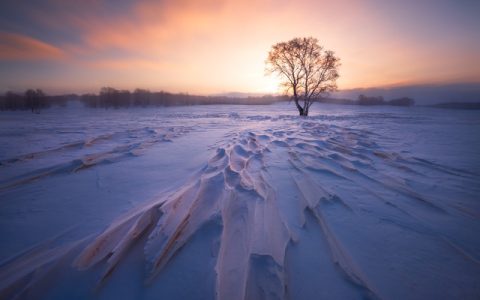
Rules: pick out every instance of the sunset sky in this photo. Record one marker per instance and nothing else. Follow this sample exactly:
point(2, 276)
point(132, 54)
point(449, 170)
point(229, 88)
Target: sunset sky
point(215, 46)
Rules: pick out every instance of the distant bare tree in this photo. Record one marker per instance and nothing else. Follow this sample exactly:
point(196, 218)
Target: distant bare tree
point(35, 100)
point(308, 71)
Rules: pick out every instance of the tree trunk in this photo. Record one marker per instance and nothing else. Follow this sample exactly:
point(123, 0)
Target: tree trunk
point(301, 110)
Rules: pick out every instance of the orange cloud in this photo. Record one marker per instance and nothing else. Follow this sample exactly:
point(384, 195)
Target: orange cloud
point(20, 47)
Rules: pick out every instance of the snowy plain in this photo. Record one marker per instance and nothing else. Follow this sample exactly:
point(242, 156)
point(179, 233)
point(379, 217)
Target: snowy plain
point(240, 202)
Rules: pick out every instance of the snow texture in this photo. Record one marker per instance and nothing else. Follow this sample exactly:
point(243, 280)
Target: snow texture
point(240, 202)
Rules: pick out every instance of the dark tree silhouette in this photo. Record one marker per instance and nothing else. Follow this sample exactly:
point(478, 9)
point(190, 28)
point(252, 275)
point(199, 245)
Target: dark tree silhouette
point(35, 100)
point(13, 101)
point(111, 97)
point(404, 101)
point(365, 100)
point(307, 69)
point(141, 97)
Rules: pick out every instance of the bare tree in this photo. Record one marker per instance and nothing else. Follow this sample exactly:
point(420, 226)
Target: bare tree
point(35, 100)
point(308, 71)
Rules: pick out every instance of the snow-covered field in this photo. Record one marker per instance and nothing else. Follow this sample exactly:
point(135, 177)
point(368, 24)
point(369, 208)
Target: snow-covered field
point(240, 202)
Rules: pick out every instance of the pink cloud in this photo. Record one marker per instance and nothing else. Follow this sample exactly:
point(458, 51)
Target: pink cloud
point(20, 47)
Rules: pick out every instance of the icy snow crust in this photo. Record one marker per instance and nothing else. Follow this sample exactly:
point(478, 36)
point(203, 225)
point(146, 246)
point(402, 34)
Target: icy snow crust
point(240, 202)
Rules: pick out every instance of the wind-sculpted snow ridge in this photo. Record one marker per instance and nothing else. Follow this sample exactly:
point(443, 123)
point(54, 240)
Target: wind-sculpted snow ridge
point(232, 191)
point(103, 149)
point(304, 211)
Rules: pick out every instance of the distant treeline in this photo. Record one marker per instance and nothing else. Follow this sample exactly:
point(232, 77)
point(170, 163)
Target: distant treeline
point(459, 105)
point(365, 100)
point(33, 100)
point(110, 97)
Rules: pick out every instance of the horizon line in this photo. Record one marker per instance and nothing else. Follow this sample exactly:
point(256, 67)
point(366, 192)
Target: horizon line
point(247, 93)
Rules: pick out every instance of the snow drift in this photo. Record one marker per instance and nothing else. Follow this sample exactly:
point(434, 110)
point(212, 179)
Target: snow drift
point(282, 207)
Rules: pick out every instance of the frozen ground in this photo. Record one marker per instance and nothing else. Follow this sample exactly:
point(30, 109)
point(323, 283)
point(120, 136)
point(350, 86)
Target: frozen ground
point(240, 202)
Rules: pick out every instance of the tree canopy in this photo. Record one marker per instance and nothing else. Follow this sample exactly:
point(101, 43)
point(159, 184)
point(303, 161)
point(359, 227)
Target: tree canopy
point(307, 70)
